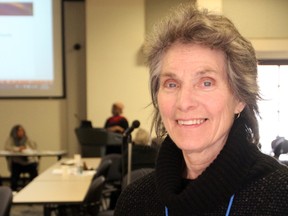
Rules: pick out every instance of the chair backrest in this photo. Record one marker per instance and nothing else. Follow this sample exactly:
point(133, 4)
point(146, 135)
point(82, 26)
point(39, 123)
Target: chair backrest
point(103, 169)
point(136, 174)
point(6, 200)
point(114, 173)
point(94, 192)
point(141, 157)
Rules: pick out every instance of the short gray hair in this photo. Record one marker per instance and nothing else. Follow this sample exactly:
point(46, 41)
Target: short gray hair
point(186, 25)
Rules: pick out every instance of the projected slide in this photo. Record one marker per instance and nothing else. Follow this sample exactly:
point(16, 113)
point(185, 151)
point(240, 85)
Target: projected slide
point(27, 67)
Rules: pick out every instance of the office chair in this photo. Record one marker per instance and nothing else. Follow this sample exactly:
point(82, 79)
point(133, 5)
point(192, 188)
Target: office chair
point(6, 200)
point(103, 169)
point(92, 200)
point(142, 156)
point(113, 181)
point(114, 173)
point(136, 174)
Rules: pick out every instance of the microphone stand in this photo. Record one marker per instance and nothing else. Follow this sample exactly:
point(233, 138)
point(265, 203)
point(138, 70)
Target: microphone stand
point(127, 145)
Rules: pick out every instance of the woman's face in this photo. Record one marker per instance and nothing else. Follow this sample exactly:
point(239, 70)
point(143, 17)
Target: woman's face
point(116, 110)
point(20, 133)
point(195, 102)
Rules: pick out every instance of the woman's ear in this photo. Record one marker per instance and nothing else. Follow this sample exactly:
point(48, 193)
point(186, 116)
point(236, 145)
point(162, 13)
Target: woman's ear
point(239, 108)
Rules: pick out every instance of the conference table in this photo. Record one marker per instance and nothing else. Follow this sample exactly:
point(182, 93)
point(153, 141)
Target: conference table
point(59, 184)
point(59, 154)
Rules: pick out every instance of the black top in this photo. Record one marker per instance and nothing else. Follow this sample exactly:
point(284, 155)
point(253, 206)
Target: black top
point(258, 181)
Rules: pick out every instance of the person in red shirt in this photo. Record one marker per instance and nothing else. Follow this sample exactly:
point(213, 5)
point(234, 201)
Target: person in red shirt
point(117, 123)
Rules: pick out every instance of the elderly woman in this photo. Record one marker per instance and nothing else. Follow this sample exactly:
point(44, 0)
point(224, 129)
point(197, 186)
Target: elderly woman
point(203, 78)
point(18, 141)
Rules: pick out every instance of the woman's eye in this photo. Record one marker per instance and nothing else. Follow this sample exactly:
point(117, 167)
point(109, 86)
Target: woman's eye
point(170, 84)
point(206, 83)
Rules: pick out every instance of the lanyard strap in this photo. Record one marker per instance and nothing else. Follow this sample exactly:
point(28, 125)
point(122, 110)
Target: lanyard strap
point(229, 206)
point(166, 211)
point(227, 212)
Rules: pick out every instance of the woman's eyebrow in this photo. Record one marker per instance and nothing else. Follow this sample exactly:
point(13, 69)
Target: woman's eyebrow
point(206, 71)
point(167, 74)
point(199, 73)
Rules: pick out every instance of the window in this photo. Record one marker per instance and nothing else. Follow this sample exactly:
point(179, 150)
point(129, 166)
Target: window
point(273, 80)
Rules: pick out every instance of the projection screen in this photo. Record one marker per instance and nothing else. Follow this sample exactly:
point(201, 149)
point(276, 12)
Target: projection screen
point(31, 49)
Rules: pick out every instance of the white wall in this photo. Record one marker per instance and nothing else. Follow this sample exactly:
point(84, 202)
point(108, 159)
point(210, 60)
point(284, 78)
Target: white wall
point(115, 72)
point(264, 22)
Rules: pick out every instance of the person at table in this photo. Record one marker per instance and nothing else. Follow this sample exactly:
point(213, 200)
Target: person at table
point(117, 123)
point(18, 141)
point(203, 82)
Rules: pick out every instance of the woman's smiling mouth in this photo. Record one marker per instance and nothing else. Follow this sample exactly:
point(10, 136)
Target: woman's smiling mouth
point(191, 122)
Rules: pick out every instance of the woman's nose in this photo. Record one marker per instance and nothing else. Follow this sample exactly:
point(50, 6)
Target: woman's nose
point(187, 98)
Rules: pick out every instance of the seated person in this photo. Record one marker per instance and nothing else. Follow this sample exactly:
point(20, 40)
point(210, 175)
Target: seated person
point(19, 142)
point(117, 123)
point(143, 154)
point(279, 146)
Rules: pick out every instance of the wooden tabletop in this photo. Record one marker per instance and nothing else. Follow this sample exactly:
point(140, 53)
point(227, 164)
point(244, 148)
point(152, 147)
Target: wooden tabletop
point(56, 185)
